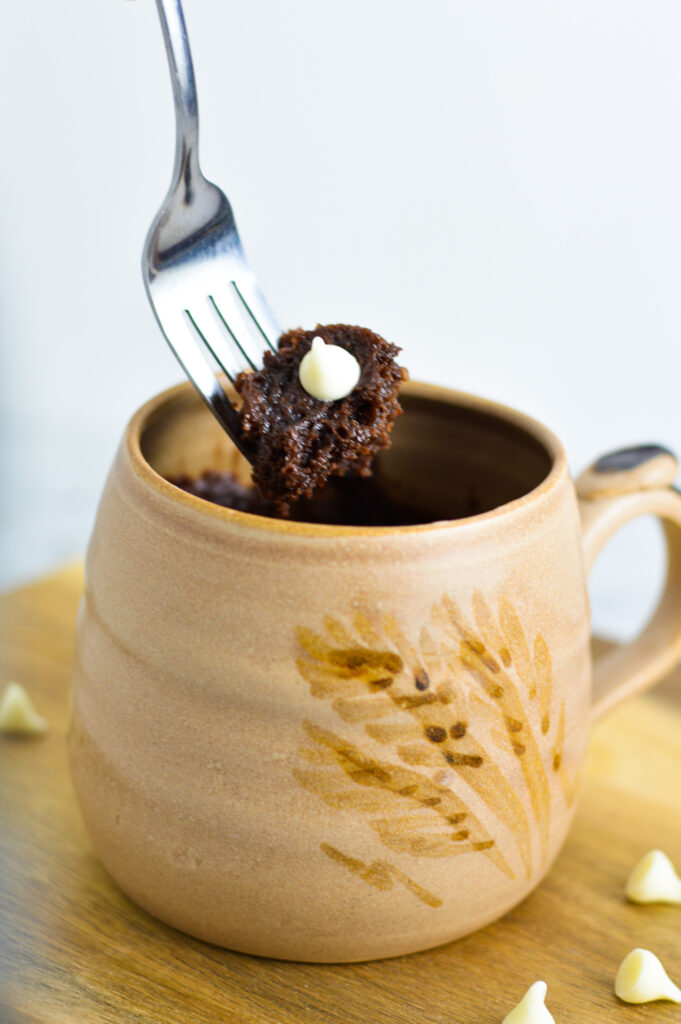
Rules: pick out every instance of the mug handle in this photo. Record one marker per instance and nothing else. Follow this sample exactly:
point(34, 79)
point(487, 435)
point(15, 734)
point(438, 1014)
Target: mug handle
point(619, 487)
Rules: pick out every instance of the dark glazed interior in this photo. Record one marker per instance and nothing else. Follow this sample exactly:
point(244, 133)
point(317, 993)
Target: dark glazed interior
point(455, 461)
point(446, 461)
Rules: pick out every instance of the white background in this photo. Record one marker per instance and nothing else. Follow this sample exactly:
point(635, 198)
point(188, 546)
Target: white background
point(495, 186)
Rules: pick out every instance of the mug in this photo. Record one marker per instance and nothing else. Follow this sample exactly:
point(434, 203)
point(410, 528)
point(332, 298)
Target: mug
point(338, 743)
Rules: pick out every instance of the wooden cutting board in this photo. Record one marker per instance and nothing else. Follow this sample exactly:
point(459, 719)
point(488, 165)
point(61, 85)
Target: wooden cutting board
point(73, 949)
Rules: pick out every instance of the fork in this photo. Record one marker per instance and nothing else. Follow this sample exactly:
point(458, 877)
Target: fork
point(203, 293)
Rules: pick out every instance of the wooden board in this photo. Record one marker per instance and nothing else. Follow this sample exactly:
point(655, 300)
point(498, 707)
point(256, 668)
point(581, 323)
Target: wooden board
point(73, 949)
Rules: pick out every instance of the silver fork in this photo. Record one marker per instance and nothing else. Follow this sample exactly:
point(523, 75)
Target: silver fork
point(202, 291)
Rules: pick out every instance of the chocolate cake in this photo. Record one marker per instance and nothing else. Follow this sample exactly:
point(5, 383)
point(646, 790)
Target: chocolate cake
point(350, 501)
point(223, 488)
point(300, 441)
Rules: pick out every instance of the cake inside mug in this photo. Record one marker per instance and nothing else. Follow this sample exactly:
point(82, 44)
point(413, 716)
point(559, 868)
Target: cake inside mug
point(330, 421)
point(451, 456)
point(321, 407)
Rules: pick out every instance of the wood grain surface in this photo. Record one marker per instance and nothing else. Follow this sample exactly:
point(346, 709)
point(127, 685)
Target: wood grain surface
point(73, 949)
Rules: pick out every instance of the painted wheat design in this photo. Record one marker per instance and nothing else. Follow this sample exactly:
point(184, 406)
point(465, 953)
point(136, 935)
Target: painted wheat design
point(452, 711)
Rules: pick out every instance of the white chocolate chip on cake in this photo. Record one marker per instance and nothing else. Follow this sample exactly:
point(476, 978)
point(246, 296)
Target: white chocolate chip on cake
point(641, 978)
point(18, 717)
point(654, 880)
point(531, 1008)
point(328, 372)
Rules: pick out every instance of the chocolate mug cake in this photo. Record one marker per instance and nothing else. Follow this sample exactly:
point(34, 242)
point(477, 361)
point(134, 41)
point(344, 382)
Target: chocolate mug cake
point(300, 440)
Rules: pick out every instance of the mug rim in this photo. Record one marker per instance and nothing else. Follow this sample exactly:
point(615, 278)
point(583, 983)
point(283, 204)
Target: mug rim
point(164, 401)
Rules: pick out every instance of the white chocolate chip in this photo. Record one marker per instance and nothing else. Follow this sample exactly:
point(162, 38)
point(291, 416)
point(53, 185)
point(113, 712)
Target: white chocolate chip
point(641, 978)
point(18, 717)
point(328, 372)
point(654, 880)
point(531, 1008)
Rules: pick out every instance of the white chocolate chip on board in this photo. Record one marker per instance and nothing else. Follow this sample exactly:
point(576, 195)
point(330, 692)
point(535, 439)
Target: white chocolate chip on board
point(531, 1009)
point(641, 978)
point(18, 717)
point(654, 880)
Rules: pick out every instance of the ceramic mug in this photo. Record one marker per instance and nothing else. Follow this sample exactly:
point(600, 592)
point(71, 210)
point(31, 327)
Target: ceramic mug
point(336, 743)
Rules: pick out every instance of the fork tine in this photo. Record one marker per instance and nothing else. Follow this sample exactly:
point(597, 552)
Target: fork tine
point(231, 359)
point(195, 364)
point(236, 319)
point(256, 306)
point(233, 336)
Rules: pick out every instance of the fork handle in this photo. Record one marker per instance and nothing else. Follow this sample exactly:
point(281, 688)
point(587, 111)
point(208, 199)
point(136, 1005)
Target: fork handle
point(186, 171)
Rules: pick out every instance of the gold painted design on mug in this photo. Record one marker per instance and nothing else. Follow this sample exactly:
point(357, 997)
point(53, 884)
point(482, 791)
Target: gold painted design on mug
point(418, 701)
point(466, 754)
point(380, 874)
point(480, 656)
point(410, 812)
point(544, 675)
point(568, 782)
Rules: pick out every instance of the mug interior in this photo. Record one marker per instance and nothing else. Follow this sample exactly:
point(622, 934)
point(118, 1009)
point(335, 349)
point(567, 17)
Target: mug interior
point(451, 456)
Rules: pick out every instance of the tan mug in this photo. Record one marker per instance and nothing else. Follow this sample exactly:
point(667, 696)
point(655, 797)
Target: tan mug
point(337, 743)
